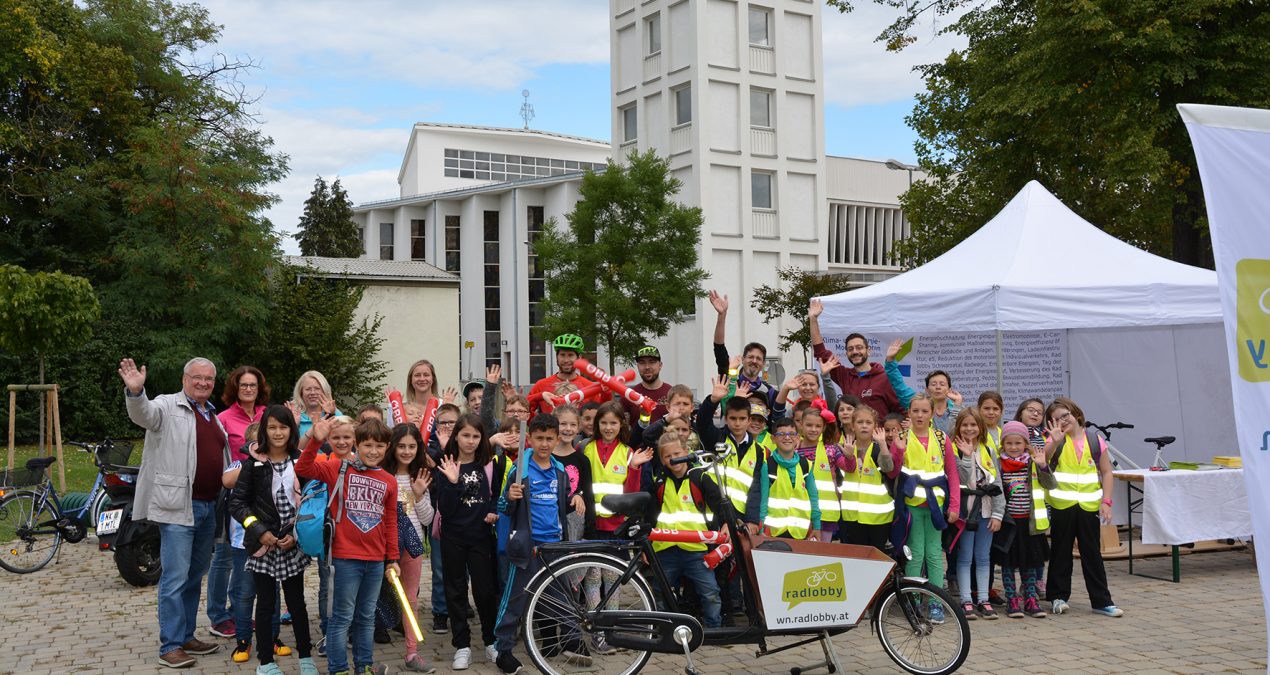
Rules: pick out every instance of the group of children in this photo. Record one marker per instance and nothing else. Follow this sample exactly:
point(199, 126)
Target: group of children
point(982, 496)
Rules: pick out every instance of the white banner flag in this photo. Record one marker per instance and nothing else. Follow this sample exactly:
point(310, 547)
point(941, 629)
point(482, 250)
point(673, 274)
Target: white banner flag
point(1232, 146)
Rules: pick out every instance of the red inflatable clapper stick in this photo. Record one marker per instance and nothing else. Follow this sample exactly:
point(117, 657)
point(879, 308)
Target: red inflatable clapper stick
point(397, 408)
point(429, 415)
point(616, 384)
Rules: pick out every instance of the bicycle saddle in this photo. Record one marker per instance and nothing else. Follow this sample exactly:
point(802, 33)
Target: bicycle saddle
point(1161, 440)
point(632, 504)
point(39, 462)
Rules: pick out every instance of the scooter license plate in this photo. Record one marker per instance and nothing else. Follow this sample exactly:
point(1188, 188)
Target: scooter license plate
point(108, 521)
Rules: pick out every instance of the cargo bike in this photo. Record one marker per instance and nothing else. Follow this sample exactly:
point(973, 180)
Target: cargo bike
point(801, 590)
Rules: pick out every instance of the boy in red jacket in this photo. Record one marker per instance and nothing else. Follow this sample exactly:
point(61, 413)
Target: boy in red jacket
point(364, 543)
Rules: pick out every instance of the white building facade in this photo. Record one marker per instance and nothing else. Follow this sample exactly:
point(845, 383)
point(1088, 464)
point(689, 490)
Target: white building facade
point(732, 93)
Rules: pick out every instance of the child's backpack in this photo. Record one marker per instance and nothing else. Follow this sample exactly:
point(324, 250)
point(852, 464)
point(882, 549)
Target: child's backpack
point(312, 514)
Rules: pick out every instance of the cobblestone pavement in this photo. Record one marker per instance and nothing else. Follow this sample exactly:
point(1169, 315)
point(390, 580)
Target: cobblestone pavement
point(78, 616)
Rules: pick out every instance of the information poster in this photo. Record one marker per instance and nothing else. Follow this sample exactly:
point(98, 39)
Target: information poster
point(815, 591)
point(1034, 363)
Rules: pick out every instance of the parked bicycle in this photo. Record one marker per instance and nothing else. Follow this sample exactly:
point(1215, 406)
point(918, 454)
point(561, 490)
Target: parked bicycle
point(35, 519)
point(799, 589)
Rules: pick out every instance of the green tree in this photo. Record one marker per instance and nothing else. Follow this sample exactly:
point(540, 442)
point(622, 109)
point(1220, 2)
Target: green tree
point(45, 312)
point(128, 156)
point(1082, 97)
point(326, 226)
point(791, 296)
point(313, 324)
point(624, 270)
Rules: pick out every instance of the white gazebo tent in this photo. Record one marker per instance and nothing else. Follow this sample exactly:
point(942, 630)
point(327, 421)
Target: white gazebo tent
point(1144, 334)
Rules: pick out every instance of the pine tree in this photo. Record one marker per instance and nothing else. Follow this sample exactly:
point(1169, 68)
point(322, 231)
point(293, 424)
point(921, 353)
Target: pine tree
point(327, 227)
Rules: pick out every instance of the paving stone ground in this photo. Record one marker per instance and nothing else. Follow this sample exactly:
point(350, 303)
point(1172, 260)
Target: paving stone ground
point(78, 616)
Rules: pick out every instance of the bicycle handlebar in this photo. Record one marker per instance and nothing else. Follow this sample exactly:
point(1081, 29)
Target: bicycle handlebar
point(1113, 425)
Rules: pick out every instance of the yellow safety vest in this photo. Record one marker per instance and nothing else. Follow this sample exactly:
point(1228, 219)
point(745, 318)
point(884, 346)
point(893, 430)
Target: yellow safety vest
point(788, 504)
point(988, 459)
point(1078, 482)
point(1040, 513)
point(864, 496)
point(926, 463)
point(680, 512)
point(738, 473)
point(607, 479)
point(823, 471)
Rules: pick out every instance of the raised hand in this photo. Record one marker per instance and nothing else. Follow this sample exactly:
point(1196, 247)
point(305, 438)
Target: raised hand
point(734, 363)
point(327, 403)
point(449, 395)
point(295, 411)
point(641, 457)
point(893, 349)
point(814, 308)
point(420, 484)
point(1054, 430)
point(955, 396)
point(719, 302)
point(719, 388)
point(450, 469)
point(320, 430)
point(828, 365)
point(494, 373)
point(743, 390)
point(879, 436)
point(133, 378)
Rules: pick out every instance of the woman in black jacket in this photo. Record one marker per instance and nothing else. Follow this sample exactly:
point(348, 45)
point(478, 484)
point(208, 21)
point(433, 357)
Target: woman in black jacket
point(265, 501)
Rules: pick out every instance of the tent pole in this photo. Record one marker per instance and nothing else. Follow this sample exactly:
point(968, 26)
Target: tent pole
point(1000, 367)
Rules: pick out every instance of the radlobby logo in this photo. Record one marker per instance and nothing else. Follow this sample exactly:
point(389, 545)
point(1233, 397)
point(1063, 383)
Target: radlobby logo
point(1252, 320)
point(823, 583)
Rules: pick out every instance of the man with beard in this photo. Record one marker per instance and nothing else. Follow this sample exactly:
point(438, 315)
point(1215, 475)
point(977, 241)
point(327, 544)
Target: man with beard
point(648, 363)
point(753, 357)
point(568, 347)
point(866, 381)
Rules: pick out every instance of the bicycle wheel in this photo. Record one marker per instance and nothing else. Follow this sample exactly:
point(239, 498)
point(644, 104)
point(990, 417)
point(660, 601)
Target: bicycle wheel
point(556, 630)
point(920, 645)
point(29, 537)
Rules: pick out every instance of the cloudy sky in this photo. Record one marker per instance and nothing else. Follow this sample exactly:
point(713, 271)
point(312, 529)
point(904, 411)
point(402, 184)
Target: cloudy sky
point(340, 83)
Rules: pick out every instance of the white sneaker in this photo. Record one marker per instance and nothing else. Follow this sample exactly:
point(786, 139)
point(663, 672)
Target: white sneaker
point(491, 654)
point(1059, 606)
point(462, 659)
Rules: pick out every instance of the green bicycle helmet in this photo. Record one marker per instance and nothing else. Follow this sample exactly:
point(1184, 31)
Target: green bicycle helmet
point(569, 342)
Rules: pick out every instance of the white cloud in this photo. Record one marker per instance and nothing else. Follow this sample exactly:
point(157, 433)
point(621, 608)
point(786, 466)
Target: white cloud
point(482, 44)
point(859, 71)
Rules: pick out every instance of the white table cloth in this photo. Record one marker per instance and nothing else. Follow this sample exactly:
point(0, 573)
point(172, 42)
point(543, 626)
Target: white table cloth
point(1180, 507)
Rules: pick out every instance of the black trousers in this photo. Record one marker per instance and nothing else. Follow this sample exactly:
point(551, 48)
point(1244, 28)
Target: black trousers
point(459, 559)
point(1076, 525)
point(267, 600)
point(876, 536)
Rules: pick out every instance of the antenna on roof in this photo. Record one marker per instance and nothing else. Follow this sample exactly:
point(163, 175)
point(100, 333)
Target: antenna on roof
point(526, 109)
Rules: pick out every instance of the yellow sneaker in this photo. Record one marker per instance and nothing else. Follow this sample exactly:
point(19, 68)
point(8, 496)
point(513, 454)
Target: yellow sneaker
point(242, 652)
point(280, 649)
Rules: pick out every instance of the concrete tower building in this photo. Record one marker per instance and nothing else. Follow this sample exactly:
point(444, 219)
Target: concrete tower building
point(708, 84)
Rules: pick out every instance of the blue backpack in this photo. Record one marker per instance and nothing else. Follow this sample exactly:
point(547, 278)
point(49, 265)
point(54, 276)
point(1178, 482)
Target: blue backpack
point(312, 515)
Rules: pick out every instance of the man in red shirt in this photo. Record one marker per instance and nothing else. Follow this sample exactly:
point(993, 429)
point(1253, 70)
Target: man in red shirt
point(865, 380)
point(568, 347)
point(648, 362)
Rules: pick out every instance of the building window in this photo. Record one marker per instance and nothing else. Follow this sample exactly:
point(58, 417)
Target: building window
point(537, 289)
point(653, 27)
point(452, 243)
point(385, 241)
point(361, 238)
point(630, 124)
point(761, 184)
point(501, 167)
point(418, 239)
point(760, 26)
point(760, 108)
point(683, 105)
point(493, 319)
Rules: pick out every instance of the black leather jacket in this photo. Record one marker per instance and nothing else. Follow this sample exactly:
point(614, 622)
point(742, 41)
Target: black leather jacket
point(253, 496)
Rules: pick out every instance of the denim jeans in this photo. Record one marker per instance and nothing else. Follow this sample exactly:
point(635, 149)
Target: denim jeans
point(355, 590)
point(676, 563)
point(324, 593)
point(243, 594)
point(219, 579)
point(975, 546)
point(438, 585)
point(185, 553)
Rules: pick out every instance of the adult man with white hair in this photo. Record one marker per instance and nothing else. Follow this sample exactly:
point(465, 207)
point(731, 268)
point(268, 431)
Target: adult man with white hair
point(186, 450)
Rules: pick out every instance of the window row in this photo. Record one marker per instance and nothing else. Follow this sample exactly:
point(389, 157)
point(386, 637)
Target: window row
point(760, 29)
point(500, 166)
point(761, 111)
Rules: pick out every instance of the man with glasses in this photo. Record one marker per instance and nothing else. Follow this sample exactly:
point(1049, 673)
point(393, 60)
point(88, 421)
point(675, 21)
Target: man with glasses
point(186, 450)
